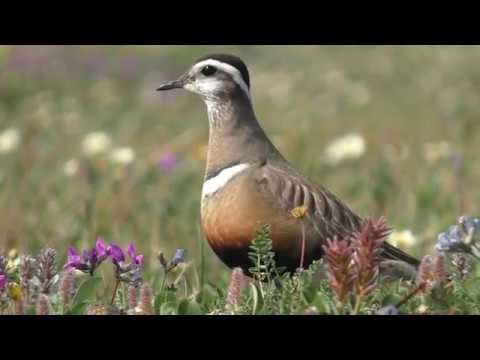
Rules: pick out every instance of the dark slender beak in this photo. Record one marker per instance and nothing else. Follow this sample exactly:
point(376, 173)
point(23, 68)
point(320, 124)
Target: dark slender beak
point(175, 84)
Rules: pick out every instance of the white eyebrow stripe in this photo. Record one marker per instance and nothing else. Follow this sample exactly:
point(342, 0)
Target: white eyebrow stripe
point(237, 77)
point(214, 184)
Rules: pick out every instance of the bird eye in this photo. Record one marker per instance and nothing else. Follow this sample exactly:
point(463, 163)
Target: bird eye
point(209, 70)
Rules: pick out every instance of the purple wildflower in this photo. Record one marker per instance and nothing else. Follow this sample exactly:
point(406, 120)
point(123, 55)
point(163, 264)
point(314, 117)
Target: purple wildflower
point(178, 258)
point(74, 259)
point(116, 253)
point(168, 161)
point(101, 248)
point(132, 252)
point(90, 259)
point(129, 272)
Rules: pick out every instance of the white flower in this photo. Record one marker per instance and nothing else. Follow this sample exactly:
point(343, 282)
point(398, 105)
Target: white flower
point(96, 143)
point(70, 168)
point(351, 146)
point(9, 140)
point(422, 309)
point(122, 155)
point(403, 238)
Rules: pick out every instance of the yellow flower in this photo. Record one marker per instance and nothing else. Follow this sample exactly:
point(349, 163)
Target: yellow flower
point(14, 291)
point(299, 212)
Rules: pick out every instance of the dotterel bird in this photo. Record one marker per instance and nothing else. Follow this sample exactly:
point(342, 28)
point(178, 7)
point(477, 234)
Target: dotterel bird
point(249, 183)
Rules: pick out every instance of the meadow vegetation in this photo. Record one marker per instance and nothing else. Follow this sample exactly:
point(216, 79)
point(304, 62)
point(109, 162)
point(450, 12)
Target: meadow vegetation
point(93, 158)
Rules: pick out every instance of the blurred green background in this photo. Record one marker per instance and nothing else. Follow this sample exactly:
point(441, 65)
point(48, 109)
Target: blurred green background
point(88, 147)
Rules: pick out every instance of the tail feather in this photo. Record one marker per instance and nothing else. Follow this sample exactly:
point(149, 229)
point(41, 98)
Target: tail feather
point(390, 252)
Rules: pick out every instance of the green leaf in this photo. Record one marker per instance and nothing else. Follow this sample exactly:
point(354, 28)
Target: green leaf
point(168, 308)
point(86, 293)
point(323, 303)
point(157, 302)
point(189, 307)
point(472, 287)
point(254, 295)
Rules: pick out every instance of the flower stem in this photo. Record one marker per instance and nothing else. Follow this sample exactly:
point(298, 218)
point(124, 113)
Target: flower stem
point(411, 294)
point(164, 281)
point(358, 303)
point(303, 246)
point(115, 292)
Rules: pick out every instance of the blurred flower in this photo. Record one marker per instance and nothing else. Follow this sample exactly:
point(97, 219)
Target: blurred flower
point(168, 161)
point(146, 300)
point(9, 140)
point(42, 307)
point(96, 143)
point(132, 252)
point(462, 264)
point(122, 155)
point(13, 261)
point(14, 291)
point(367, 248)
point(66, 287)
point(47, 269)
point(129, 272)
point(463, 237)
point(431, 272)
point(101, 248)
point(435, 151)
point(27, 271)
point(426, 277)
point(234, 287)
point(311, 310)
point(299, 212)
point(351, 146)
point(422, 309)
point(90, 259)
point(70, 168)
point(178, 258)
point(74, 260)
point(116, 253)
point(388, 310)
point(403, 238)
point(132, 296)
point(338, 255)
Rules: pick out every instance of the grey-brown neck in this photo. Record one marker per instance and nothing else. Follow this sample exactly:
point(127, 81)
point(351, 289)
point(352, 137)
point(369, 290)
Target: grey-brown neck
point(235, 134)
